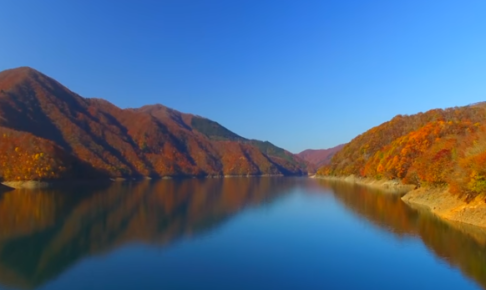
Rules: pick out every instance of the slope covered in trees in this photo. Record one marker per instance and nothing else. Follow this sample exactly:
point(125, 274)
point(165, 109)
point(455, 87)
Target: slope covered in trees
point(436, 148)
point(48, 132)
point(319, 157)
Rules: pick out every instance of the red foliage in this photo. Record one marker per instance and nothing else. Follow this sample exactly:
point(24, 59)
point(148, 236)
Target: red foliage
point(70, 130)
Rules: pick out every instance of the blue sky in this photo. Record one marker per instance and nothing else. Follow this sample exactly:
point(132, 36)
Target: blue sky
point(301, 74)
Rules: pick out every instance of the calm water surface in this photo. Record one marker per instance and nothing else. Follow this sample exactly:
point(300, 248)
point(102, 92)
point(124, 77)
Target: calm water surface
point(242, 233)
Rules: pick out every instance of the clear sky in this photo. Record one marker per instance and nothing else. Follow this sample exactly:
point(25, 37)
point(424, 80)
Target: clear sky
point(301, 74)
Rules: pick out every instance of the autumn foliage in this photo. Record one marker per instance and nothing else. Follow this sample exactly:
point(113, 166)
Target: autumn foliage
point(320, 157)
point(48, 132)
point(436, 148)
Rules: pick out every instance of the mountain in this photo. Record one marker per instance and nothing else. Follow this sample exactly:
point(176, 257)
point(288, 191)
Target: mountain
point(436, 148)
point(47, 132)
point(319, 157)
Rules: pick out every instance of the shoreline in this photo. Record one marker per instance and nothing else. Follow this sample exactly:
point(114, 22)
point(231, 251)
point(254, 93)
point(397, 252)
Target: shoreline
point(33, 184)
point(445, 205)
point(438, 201)
point(389, 186)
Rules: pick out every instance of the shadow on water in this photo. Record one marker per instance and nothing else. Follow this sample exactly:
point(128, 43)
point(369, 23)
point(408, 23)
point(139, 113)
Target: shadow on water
point(4, 189)
point(44, 233)
point(460, 245)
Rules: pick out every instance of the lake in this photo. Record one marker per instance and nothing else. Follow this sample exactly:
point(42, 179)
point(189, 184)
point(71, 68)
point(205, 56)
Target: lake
point(234, 233)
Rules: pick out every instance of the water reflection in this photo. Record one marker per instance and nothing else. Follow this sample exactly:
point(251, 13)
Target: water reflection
point(44, 233)
point(460, 245)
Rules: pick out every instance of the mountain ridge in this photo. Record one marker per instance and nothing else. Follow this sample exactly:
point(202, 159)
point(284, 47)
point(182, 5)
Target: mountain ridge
point(49, 132)
point(320, 157)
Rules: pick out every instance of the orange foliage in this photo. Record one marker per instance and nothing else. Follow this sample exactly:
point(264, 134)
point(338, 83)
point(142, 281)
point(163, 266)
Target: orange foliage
point(26, 157)
point(151, 141)
point(436, 148)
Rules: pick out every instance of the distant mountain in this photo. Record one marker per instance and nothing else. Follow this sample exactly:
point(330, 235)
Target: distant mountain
point(319, 157)
point(435, 148)
point(48, 132)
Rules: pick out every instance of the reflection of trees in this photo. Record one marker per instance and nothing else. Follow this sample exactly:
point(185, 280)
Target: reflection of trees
point(43, 233)
point(460, 246)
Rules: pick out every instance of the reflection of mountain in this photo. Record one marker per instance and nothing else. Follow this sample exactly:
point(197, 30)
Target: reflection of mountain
point(461, 247)
point(44, 233)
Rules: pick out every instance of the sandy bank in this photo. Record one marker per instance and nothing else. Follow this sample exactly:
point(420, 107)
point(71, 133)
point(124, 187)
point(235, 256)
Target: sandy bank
point(438, 201)
point(447, 206)
point(392, 186)
point(26, 184)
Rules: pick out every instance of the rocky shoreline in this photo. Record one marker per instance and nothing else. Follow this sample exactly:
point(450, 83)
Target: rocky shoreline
point(438, 201)
point(442, 203)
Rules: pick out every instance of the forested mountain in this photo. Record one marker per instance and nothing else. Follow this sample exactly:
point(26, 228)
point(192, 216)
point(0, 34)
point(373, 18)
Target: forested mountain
point(319, 157)
point(48, 132)
point(439, 147)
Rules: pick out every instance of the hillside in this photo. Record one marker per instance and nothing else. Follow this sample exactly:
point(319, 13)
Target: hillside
point(48, 132)
point(436, 148)
point(319, 157)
